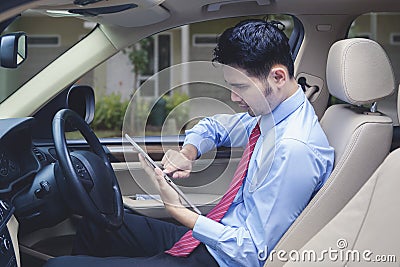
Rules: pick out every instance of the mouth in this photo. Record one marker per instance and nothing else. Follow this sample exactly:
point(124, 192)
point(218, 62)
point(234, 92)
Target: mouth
point(246, 108)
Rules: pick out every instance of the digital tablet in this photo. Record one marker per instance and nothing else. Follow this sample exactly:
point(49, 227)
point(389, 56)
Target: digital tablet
point(166, 177)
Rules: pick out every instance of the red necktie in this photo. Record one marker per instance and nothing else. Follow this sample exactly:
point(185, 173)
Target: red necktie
point(184, 246)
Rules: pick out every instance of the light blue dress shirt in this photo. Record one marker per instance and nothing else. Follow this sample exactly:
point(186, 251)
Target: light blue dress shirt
point(291, 161)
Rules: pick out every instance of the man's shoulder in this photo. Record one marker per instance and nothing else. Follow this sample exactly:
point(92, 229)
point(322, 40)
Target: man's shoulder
point(304, 127)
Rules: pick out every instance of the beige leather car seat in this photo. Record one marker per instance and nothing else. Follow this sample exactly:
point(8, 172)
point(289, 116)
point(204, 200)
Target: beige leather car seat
point(359, 73)
point(365, 232)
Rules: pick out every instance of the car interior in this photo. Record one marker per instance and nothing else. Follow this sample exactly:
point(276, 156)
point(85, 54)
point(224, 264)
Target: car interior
point(55, 143)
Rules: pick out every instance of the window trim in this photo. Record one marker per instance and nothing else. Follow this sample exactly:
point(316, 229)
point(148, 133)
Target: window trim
point(297, 37)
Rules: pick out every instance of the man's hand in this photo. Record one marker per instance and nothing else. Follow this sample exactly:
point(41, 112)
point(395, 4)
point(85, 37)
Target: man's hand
point(179, 164)
point(170, 197)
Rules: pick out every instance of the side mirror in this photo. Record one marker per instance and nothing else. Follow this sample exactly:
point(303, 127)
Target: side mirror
point(13, 49)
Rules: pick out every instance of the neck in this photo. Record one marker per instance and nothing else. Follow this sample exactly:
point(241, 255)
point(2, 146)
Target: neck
point(290, 88)
point(281, 94)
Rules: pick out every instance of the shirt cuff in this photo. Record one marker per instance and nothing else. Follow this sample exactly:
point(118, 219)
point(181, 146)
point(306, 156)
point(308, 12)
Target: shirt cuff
point(207, 231)
point(202, 144)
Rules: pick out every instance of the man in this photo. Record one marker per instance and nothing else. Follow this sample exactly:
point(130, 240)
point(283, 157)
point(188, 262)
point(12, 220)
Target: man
point(286, 160)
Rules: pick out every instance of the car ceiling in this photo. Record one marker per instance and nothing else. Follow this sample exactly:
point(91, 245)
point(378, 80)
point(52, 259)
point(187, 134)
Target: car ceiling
point(148, 12)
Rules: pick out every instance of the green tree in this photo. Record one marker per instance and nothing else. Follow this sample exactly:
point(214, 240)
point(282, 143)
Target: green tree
point(139, 57)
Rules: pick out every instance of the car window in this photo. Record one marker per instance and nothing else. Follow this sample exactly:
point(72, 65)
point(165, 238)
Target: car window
point(134, 72)
point(48, 37)
point(383, 28)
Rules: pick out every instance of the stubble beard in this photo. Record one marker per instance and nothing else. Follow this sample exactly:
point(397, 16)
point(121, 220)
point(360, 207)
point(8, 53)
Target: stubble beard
point(267, 92)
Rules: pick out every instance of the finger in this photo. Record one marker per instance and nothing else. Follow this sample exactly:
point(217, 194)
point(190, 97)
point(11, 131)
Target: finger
point(171, 157)
point(165, 159)
point(174, 164)
point(142, 161)
point(180, 174)
point(176, 175)
point(168, 166)
point(145, 166)
point(162, 183)
point(159, 175)
point(168, 169)
point(158, 171)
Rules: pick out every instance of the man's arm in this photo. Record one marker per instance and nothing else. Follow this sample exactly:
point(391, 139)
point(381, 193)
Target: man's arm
point(183, 215)
point(219, 130)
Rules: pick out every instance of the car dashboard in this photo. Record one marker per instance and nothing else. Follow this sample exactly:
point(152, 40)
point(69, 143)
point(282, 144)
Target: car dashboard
point(9, 257)
point(18, 167)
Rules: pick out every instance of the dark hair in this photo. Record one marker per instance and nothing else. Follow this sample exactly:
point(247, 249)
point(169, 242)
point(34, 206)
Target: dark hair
point(254, 45)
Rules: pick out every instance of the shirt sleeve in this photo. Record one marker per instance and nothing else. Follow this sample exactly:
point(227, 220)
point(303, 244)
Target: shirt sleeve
point(220, 130)
point(281, 196)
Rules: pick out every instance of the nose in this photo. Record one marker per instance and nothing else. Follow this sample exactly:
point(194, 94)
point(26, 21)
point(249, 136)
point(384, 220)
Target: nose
point(235, 97)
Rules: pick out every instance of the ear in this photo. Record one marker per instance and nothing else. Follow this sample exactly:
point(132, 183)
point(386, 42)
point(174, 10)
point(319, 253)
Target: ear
point(279, 75)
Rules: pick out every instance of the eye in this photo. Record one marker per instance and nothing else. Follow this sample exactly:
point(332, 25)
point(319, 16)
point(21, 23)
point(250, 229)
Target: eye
point(240, 86)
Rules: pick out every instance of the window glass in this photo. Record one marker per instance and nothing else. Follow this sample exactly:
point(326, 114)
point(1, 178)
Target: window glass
point(383, 28)
point(134, 71)
point(48, 37)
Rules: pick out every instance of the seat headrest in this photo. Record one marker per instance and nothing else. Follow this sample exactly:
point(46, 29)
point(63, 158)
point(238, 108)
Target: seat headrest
point(358, 71)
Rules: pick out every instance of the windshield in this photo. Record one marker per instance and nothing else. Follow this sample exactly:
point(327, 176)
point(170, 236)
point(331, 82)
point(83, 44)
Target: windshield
point(48, 38)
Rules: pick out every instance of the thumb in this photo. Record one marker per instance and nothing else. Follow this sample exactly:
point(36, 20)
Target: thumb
point(158, 171)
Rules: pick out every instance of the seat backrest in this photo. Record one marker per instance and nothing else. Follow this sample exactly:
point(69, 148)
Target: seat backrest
point(358, 73)
point(366, 230)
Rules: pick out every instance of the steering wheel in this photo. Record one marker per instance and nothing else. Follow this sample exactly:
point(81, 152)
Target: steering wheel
point(89, 176)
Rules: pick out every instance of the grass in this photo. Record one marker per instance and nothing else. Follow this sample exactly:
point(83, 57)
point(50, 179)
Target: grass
point(99, 134)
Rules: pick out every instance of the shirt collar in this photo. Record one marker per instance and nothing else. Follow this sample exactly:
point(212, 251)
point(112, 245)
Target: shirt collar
point(282, 111)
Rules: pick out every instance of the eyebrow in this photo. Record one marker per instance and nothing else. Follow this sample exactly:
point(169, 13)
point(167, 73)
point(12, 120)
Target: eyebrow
point(239, 85)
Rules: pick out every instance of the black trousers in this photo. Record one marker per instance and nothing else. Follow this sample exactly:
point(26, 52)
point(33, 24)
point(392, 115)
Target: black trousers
point(141, 241)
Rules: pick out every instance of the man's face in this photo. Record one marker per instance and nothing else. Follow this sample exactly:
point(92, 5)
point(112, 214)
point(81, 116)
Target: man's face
point(255, 96)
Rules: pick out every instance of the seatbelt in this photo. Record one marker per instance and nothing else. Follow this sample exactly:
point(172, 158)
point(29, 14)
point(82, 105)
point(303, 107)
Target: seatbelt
point(309, 90)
